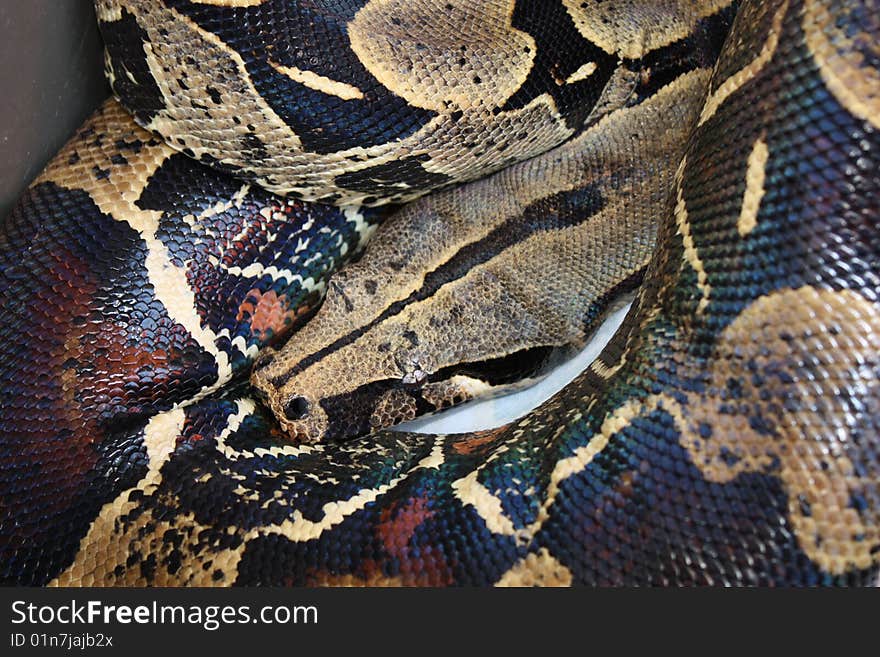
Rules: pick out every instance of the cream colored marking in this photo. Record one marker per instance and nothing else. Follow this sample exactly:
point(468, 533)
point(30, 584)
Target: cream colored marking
point(319, 82)
point(738, 79)
point(599, 368)
point(243, 408)
point(472, 386)
point(755, 173)
point(174, 292)
point(536, 569)
point(435, 459)
point(470, 491)
point(853, 81)
point(583, 456)
point(220, 207)
point(690, 251)
point(258, 270)
point(238, 342)
point(606, 371)
point(585, 71)
point(632, 28)
point(460, 54)
point(235, 202)
point(160, 436)
point(108, 11)
point(353, 214)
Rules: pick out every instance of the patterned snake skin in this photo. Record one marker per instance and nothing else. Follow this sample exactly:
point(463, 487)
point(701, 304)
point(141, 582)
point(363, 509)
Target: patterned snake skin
point(724, 154)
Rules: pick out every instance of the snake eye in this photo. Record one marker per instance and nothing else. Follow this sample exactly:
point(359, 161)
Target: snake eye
point(296, 408)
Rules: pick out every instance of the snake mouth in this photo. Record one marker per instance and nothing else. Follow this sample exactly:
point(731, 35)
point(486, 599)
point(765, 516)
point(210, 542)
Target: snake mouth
point(315, 415)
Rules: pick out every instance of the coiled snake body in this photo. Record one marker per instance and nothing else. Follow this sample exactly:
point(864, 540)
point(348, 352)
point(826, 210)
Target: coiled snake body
point(723, 154)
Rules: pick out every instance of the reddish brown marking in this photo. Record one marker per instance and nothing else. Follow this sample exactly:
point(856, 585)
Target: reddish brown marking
point(396, 532)
point(480, 439)
point(271, 314)
point(396, 527)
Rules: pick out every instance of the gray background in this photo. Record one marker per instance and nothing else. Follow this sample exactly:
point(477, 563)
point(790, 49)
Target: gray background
point(51, 77)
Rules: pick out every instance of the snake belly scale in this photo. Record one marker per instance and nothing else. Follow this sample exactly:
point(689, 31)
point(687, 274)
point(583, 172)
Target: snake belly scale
point(470, 185)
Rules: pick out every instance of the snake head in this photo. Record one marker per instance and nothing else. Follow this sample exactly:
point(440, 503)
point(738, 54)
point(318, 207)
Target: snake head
point(465, 291)
point(366, 361)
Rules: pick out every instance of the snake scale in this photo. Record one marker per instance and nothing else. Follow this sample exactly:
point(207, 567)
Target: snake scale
point(516, 165)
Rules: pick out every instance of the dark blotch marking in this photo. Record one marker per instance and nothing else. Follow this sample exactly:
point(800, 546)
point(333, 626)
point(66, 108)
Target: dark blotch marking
point(804, 505)
point(349, 306)
point(124, 40)
point(148, 567)
point(699, 49)
point(561, 50)
point(255, 147)
point(729, 458)
point(385, 179)
point(135, 145)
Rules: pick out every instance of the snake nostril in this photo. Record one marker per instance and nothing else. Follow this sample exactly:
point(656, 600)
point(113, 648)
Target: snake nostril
point(296, 408)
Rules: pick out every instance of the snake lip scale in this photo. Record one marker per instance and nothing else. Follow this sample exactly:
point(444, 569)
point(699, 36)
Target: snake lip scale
point(297, 224)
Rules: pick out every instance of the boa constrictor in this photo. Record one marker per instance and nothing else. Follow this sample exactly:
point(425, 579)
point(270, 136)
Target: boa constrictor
point(724, 154)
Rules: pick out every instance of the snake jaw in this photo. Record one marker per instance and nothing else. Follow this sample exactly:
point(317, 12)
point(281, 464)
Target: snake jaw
point(340, 400)
point(324, 417)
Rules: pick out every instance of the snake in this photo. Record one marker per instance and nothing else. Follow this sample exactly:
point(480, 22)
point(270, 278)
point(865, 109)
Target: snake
point(298, 223)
